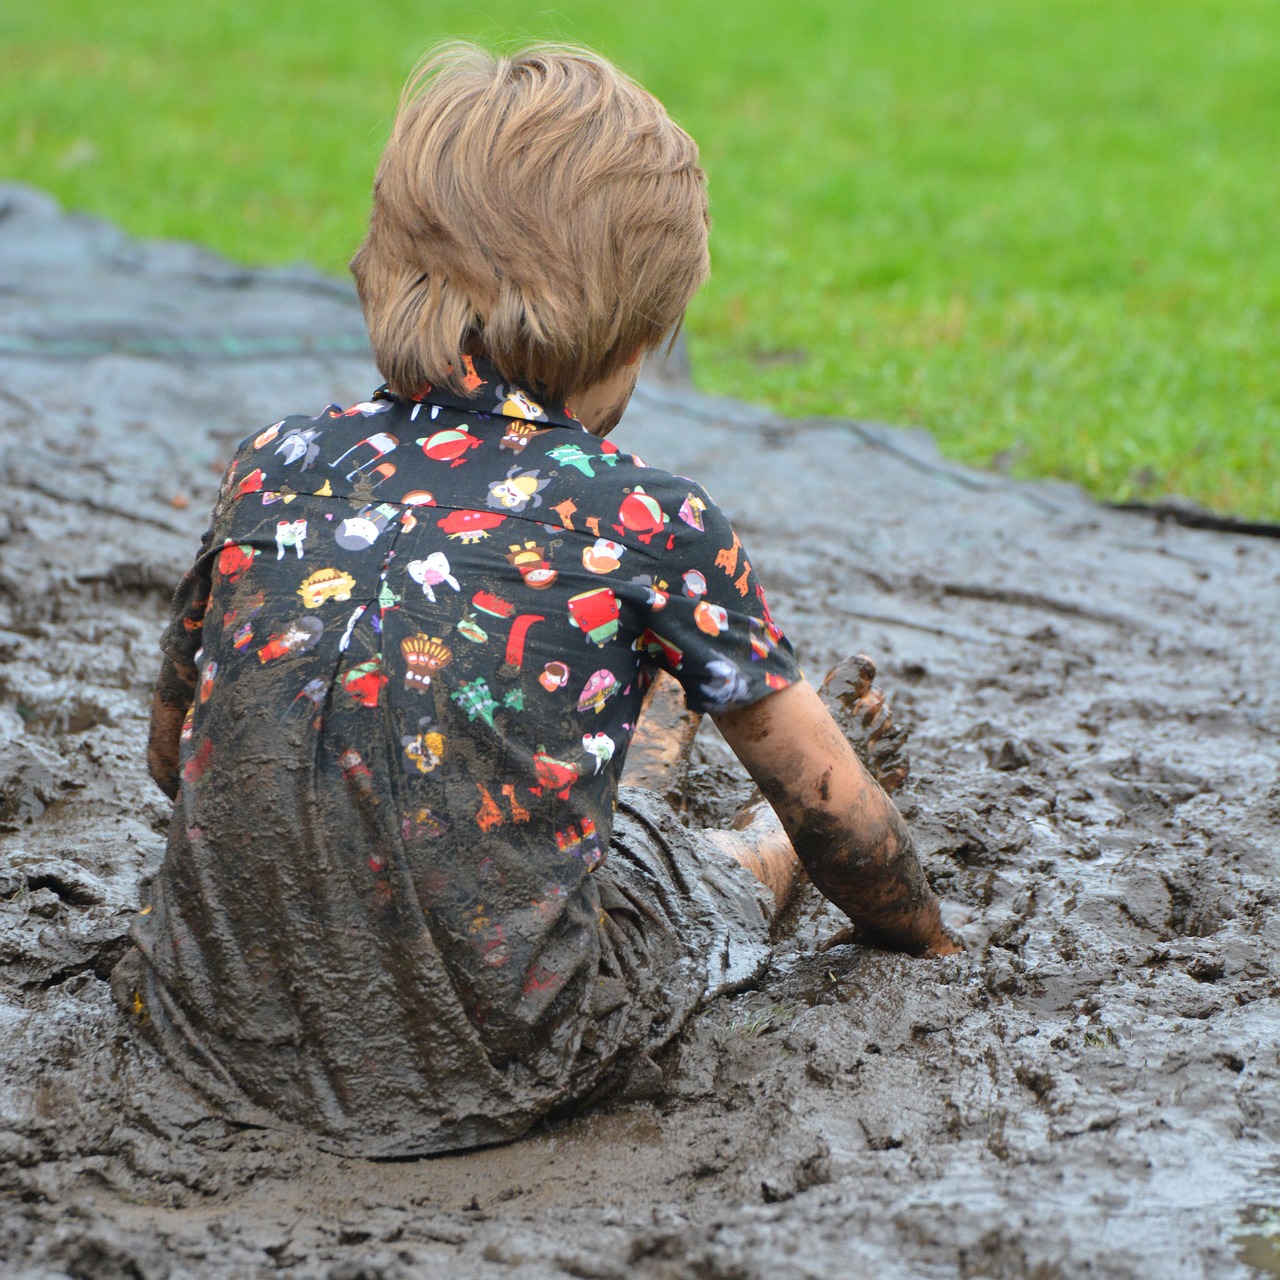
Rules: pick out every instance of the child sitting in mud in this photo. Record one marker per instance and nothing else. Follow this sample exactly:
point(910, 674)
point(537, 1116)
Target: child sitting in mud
point(411, 901)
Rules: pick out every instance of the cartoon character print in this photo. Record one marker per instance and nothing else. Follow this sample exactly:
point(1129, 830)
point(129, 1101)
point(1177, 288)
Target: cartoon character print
point(554, 776)
point(298, 445)
point(423, 750)
point(326, 584)
point(476, 700)
point(518, 434)
point(566, 510)
point(515, 403)
point(651, 643)
point(388, 599)
point(233, 560)
point(695, 583)
point(513, 659)
point(519, 814)
point(572, 455)
point(600, 746)
point(711, 619)
point(600, 687)
point(383, 471)
point(357, 775)
point(764, 639)
point(425, 656)
point(488, 818)
point(290, 533)
point(449, 445)
point(727, 559)
point(309, 700)
point(604, 556)
point(555, 675)
point(375, 446)
point(241, 616)
point(656, 594)
point(364, 681)
point(595, 613)
point(531, 563)
point(639, 513)
point(725, 684)
point(252, 483)
point(421, 823)
point(362, 530)
point(494, 605)
point(297, 637)
point(471, 381)
point(469, 629)
point(198, 762)
point(519, 490)
point(364, 409)
point(583, 844)
point(207, 677)
point(691, 510)
point(432, 572)
point(469, 527)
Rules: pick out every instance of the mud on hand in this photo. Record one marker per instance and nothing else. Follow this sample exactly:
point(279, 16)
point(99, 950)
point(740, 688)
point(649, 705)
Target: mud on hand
point(865, 717)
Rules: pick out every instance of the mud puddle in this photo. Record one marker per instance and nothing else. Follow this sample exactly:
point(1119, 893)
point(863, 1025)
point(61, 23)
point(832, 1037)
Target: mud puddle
point(1091, 1090)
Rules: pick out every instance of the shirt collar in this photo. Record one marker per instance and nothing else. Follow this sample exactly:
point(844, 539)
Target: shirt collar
point(490, 393)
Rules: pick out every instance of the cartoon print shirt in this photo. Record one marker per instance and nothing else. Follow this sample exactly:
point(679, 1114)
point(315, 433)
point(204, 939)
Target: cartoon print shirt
point(422, 631)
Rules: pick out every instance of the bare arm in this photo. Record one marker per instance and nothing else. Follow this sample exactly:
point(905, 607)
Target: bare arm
point(174, 691)
point(845, 830)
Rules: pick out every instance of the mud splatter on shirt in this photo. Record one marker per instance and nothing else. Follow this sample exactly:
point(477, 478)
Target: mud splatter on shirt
point(423, 629)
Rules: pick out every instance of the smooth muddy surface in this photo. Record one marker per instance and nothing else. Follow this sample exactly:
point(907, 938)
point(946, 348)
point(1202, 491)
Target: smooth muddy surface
point(1094, 1089)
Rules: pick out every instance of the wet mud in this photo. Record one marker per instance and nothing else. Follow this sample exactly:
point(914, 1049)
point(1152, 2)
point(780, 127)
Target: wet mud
point(1091, 1090)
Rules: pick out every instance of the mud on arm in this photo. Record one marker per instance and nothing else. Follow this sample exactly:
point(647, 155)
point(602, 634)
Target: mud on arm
point(846, 831)
point(173, 695)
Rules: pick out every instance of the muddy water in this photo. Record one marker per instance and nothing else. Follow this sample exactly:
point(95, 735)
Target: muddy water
point(1093, 1089)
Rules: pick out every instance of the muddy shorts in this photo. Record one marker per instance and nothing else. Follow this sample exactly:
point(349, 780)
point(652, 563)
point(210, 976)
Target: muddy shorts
point(681, 922)
point(676, 923)
point(674, 880)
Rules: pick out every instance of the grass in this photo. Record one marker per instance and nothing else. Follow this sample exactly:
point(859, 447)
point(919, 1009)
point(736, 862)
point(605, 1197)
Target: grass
point(1043, 229)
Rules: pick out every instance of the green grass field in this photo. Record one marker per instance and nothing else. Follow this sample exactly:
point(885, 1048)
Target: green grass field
point(1044, 229)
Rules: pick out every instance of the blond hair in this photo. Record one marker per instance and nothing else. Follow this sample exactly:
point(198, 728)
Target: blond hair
point(539, 209)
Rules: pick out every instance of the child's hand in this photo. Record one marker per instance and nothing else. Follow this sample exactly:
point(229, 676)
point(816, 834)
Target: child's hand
point(866, 719)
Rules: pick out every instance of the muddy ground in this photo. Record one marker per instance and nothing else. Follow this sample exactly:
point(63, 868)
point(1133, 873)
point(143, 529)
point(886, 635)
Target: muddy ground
point(1093, 1090)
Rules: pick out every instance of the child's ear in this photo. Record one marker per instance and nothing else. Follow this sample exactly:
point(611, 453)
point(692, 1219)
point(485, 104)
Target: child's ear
point(634, 356)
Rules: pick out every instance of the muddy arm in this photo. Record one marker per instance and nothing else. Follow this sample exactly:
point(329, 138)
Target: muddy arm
point(174, 691)
point(846, 831)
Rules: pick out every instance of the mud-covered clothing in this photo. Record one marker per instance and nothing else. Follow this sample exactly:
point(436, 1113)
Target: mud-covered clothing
point(375, 1059)
point(422, 631)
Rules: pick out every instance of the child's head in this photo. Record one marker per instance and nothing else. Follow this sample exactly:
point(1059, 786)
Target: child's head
point(541, 210)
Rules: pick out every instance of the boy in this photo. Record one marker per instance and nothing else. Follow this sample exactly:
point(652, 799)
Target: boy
point(404, 904)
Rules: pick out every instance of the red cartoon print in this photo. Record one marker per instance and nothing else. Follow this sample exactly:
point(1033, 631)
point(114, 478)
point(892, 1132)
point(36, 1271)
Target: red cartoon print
point(449, 445)
point(470, 526)
point(641, 515)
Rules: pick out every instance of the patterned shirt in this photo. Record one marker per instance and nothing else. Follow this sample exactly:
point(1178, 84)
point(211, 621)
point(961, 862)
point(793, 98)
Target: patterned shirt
point(423, 629)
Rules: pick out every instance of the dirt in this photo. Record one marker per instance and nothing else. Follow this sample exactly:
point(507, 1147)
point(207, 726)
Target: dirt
point(1091, 1090)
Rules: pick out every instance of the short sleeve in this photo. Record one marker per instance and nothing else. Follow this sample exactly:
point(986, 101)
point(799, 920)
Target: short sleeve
point(710, 626)
point(183, 638)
